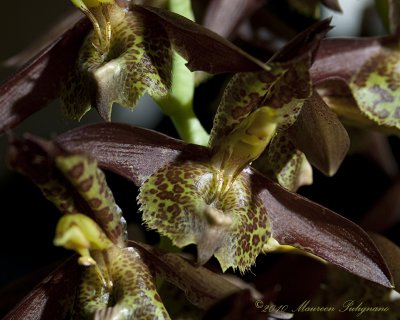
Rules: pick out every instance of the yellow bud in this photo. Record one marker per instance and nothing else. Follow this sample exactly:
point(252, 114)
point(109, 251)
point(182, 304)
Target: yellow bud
point(80, 233)
point(243, 146)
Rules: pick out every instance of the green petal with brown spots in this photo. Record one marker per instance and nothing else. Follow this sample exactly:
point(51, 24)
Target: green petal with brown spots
point(284, 87)
point(244, 93)
point(291, 91)
point(285, 164)
point(132, 294)
point(91, 295)
point(89, 181)
point(243, 145)
point(134, 287)
point(376, 88)
point(243, 126)
point(253, 107)
point(137, 61)
point(180, 201)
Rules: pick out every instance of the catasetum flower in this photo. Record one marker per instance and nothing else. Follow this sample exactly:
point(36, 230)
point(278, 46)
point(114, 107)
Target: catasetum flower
point(211, 203)
point(118, 280)
point(118, 62)
point(115, 280)
point(291, 219)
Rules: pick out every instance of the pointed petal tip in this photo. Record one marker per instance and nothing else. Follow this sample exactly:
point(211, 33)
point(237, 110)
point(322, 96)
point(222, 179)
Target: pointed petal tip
point(204, 253)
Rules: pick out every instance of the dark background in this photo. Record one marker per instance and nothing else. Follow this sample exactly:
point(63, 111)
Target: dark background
point(28, 220)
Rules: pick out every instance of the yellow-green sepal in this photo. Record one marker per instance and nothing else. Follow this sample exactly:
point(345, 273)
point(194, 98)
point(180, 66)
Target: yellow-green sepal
point(243, 145)
point(80, 233)
point(284, 163)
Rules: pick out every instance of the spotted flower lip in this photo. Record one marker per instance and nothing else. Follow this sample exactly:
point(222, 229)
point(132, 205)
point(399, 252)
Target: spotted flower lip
point(294, 220)
point(117, 279)
point(54, 63)
point(74, 183)
point(120, 61)
point(181, 201)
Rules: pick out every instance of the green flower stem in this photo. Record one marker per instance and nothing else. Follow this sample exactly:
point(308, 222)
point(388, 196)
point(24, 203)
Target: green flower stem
point(189, 127)
point(178, 105)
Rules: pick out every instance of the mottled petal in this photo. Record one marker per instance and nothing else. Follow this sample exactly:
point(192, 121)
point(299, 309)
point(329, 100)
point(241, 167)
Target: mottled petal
point(92, 294)
point(284, 163)
point(138, 60)
point(244, 93)
point(131, 294)
point(376, 88)
point(134, 287)
point(73, 183)
point(89, 181)
point(180, 202)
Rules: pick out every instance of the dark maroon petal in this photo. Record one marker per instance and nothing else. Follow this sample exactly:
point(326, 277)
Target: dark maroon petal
point(320, 135)
point(223, 17)
point(341, 58)
point(39, 81)
point(201, 286)
point(52, 298)
point(136, 153)
point(301, 223)
point(203, 49)
point(72, 182)
point(132, 152)
point(391, 253)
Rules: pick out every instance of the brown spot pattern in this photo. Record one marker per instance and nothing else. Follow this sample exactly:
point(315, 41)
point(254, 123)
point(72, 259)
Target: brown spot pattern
point(181, 216)
point(282, 162)
point(138, 61)
point(243, 94)
point(132, 295)
point(375, 87)
point(92, 187)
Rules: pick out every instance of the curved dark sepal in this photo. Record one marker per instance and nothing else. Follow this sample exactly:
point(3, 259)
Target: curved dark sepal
point(296, 221)
point(39, 80)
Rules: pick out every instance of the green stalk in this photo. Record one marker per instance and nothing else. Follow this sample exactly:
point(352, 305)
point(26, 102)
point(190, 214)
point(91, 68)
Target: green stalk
point(178, 105)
